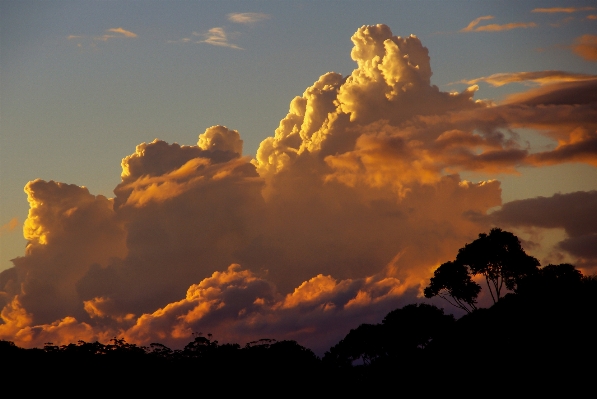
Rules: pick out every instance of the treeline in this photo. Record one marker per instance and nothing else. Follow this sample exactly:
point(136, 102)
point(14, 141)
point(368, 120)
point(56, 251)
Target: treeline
point(540, 335)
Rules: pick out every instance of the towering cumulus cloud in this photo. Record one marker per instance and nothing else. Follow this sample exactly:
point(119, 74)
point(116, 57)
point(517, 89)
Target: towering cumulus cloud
point(342, 216)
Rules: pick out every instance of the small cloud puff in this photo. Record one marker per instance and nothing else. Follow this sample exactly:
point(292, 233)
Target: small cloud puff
point(218, 37)
point(248, 17)
point(586, 47)
point(10, 226)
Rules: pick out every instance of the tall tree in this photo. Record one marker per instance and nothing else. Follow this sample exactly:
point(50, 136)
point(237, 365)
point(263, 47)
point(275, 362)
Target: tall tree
point(499, 257)
point(453, 280)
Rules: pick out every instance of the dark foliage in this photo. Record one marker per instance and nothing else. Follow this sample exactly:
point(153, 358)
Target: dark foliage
point(452, 279)
point(536, 339)
point(499, 257)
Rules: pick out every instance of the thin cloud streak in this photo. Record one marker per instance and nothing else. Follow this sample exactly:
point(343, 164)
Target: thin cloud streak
point(540, 77)
point(113, 33)
point(248, 17)
point(124, 32)
point(568, 10)
point(472, 26)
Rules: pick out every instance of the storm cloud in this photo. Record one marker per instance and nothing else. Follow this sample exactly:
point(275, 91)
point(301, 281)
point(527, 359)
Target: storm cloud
point(342, 215)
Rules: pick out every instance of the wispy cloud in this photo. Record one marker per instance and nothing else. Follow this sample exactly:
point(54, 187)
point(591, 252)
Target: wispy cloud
point(218, 37)
point(540, 77)
point(562, 22)
point(568, 10)
point(472, 26)
point(121, 31)
point(10, 226)
point(112, 33)
point(586, 47)
point(247, 17)
point(592, 17)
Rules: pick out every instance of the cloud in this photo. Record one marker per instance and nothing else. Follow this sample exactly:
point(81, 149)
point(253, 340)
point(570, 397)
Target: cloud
point(123, 32)
point(342, 215)
point(112, 33)
point(247, 17)
point(592, 17)
point(540, 77)
point(472, 26)
point(218, 37)
point(574, 212)
point(562, 9)
point(562, 22)
point(10, 226)
point(586, 47)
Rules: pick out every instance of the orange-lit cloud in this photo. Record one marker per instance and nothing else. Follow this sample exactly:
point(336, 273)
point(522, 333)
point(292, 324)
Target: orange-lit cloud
point(112, 33)
point(473, 25)
point(247, 17)
point(562, 9)
point(586, 47)
point(592, 17)
point(10, 226)
point(343, 214)
point(541, 77)
point(123, 32)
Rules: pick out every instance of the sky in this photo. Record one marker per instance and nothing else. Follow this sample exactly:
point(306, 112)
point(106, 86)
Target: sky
point(280, 169)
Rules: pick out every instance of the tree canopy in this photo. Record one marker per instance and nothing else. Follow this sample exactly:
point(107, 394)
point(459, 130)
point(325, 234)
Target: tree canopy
point(500, 258)
point(452, 279)
point(497, 256)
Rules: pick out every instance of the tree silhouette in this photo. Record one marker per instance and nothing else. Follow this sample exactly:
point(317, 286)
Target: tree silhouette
point(363, 343)
point(499, 257)
point(452, 279)
point(413, 327)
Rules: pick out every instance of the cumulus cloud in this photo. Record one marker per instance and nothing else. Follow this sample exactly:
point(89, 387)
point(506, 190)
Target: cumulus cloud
point(568, 10)
point(473, 25)
point(540, 77)
point(343, 214)
point(586, 47)
point(247, 17)
point(218, 37)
